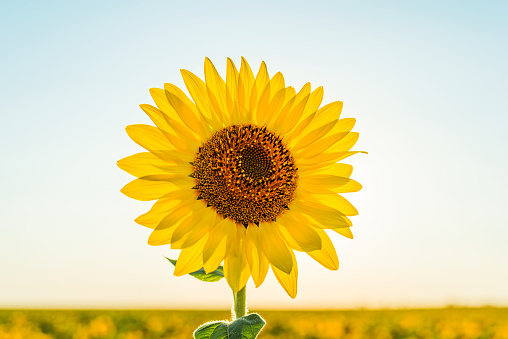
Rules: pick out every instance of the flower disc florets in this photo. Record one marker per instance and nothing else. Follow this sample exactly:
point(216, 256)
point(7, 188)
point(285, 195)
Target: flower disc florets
point(245, 173)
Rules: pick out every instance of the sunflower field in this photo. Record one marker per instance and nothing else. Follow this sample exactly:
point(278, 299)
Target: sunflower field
point(446, 323)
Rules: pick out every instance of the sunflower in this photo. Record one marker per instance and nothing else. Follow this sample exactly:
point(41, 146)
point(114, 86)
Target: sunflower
point(244, 172)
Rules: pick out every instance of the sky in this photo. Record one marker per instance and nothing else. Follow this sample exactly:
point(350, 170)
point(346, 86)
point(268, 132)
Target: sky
point(425, 80)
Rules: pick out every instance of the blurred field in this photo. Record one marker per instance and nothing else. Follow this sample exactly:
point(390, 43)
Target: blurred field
point(447, 323)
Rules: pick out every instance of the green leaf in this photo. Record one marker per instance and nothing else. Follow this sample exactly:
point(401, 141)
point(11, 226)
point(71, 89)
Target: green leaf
point(215, 330)
point(247, 327)
point(200, 274)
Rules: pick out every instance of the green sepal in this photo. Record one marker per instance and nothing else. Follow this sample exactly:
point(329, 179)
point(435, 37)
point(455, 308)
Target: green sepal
point(200, 274)
point(247, 327)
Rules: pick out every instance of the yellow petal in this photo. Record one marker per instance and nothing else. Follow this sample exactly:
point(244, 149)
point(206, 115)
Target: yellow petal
point(280, 121)
point(180, 212)
point(177, 92)
point(327, 256)
point(160, 99)
point(190, 258)
point(146, 190)
point(303, 237)
point(339, 169)
point(338, 202)
point(185, 235)
point(290, 94)
point(157, 117)
point(216, 88)
point(297, 109)
point(262, 106)
point(343, 125)
point(346, 143)
point(314, 135)
point(162, 235)
point(274, 247)
point(276, 84)
point(145, 163)
point(245, 83)
point(198, 92)
point(179, 180)
point(232, 91)
point(337, 134)
point(345, 231)
point(326, 183)
point(288, 281)
point(327, 113)
point(315, 99)
point(261, 82)
point(187, 111)
point(220, 239)
point(303, 93)
point(182, 193)
point(158, 211)
point(236, 268)
point(312, 183)
point(180, 169)
point(274, 107)
point(173, 122)
point(312, 118)
point(351, 186)
point(177, 133)
point(307, 167)
point(329, 201)
point(258, 262)
point(276, 104)
point(153, 140)
point(325, 216)
point(262, 75)
point(297, 133)
point(324, 159)
point(149, 137)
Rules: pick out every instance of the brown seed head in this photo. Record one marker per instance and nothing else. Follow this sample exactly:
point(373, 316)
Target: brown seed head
point(245, 173)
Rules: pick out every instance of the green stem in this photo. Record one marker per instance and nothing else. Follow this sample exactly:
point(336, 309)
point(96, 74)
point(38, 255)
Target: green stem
point(240, 306)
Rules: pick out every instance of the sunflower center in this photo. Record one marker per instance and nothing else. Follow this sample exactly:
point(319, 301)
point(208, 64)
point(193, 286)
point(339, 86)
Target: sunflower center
point(254, 161)
point(245, 173)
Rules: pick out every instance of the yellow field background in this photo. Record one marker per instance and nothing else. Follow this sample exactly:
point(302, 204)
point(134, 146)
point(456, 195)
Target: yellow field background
point(446, 323)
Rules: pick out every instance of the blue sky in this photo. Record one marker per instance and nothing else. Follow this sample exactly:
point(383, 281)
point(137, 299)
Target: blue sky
point(425, 80)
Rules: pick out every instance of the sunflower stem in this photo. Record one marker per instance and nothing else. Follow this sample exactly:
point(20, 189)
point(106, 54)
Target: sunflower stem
point(240, 307)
